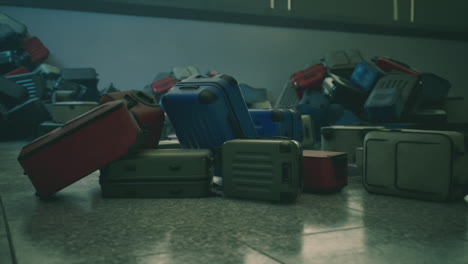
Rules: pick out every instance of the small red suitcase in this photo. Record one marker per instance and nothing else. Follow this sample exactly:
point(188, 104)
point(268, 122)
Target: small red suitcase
point(36, 50)
point(310, 78)
point(20, 70)
point(160, 87)
point(146, 111)
point(387, 64)
point(325, 171)
point(83, 145)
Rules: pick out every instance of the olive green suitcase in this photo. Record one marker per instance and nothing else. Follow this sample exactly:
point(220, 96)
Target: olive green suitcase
point(159, 173)
point(420, 164)
point(269, 170)
point(307, 132)
point(345, 139)
point(65, 111)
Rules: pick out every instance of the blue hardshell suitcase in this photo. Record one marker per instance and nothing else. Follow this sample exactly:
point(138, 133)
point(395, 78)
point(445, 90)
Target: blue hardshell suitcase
point(207, 111)
point(365, 75)
point(277, 123)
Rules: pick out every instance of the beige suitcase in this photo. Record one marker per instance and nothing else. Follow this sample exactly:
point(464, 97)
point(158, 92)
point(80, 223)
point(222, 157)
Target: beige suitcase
point(169, 144)
point(345, 139)
point(307, 132)
point(65, 111)
point(420, 164)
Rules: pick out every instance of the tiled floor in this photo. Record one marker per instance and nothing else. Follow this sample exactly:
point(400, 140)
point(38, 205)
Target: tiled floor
point(78, 226)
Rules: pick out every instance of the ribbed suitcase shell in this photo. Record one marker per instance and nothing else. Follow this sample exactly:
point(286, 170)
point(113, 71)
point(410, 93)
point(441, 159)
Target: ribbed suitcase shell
point(262, 169)
point(159, 173)
point(206, 112)
point(345, 139)
point(287, 97)
point(65, 111)
point(36, 50)
point(34, 84)
point(277, 122)
point(307, 132)
point(147, 112)
point(80, 147)
point(420, 164)
point(324, 171)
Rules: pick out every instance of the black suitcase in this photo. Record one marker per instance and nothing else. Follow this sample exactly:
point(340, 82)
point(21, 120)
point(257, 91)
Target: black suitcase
point(11, 93)
point(9, 39)
point(34, 84)
point(345, 93)
point(23, 120)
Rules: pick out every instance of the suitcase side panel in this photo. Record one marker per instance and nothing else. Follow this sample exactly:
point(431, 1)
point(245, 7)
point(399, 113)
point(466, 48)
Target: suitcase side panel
point(287, 98)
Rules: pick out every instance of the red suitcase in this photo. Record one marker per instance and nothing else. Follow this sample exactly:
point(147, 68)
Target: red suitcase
point(36, 50)
point(20, 70)
point(146, 111)
point(161, 87)
point(387, 64)
point(324, 171)
point(81, 146)
point(310, 78)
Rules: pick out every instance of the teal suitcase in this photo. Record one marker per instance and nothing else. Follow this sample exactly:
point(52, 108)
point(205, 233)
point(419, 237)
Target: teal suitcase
point(159, 173)
point(270, 170)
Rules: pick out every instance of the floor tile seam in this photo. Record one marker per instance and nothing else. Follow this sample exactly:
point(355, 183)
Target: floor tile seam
point(257, 250)
point(8, 233)
point(334, 230)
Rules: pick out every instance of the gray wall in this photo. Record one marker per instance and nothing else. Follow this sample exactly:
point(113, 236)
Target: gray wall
point(130, 50)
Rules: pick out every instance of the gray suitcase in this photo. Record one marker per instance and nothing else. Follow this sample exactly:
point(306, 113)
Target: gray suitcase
point(269, 170)
point(345, 139)
point(159, 173)
point(287, 98)
point(65, 111)
point(420, 164)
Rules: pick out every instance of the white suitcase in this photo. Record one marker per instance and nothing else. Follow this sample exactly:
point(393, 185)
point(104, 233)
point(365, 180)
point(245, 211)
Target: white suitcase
point(66, 111)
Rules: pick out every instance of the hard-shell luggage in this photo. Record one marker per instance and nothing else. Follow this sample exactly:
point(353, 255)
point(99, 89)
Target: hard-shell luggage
point(433, 88)
point(343, 62)
point(456, 108)
point(253, 95)
point(36, 50)
point(277, 123)
point(310, 78)
point(318, 116)
point(86, 77)
point(269, 170)
point(23, 119)
point(11, 93)
point(324, 171)
point(34, 84)
point(9, 38)
point(208, 111)
point(345, 93)
point(345, 139)
point(287, 97)
point(307, 132)
point(46, 127)
point(63, 112)
point(168, 144)
point(159, 173)
point(365, 75)
point(8, 61)
point(315, 99)
point(80, 147)
point(147, 112)
point(161, 87)
point(181, 73)
point(420, 164)
point(337, 115)
point(20, 70)
point(388, 64)
point(18, 27)
point(47, 69)
point(430, 118)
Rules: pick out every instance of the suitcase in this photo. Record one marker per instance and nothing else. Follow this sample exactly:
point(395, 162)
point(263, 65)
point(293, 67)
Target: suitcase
point(315, 99)
point(208, 111)
point(33, 83)
point(161, 87)
point(324, 171)
point(181, 73)
point(456, 108)
point(47, 127)
point(310, 78)
point(430, 118)
point(387, 64)
point(420, 164)
point(433, 88)
point(81, 146)
point(345, 139)
point(63, 112)
point(365, 75)
point(261, 105)
point(345, 93)
point(147, 112)
point(277, 123)
point(307, 132)
point(318, 116)
point(287, 97)
point(11, 93)
point(47, 69)
point(9, 39)
point(338, 116)
point(168, 144)
point(269, 170)
point(14, 24)
point(23, 119)
point(82, 92)
point(253, 95)
point(20, 70)
point(342, 62)
point(394, 97)
point(36, 50)
point(86, 77)
point(159, 173)
point(8, 61)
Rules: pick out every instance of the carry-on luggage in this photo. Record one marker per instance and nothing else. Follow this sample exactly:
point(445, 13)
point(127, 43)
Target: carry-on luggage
point(345, 139)
point(181, 73)
point(343, 92)
point(80, 147)
point(11, 93)
point(23, 119)
point(34, 84)
point(159, 173)
point(253, 95)
point(342, 62)
point(318, 116)
point(277, 123)
point(310, 78)
point(269, 170)
point(18, 27)
point(387, 64)
point(287, 97)
point(365, 75)
point(147, 112)
point(8, 61)
point(337, 115)
point(86, 77)
point(36, 50)
point(208, 111)
point(9, 38)
point(161, 87)
point(433, 88)
point(420, 164)
point(315, 99)
point(324, 171)
point(63, 112)
point(307, 132)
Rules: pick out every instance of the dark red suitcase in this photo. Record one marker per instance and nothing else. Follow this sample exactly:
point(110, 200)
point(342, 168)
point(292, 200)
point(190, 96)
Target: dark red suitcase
point(310, 78)
point(387, 64)
point(324, 171)
point(83, 145)
point(146, 111)
point(20, 70)
point(160, 87)
point(36, 50)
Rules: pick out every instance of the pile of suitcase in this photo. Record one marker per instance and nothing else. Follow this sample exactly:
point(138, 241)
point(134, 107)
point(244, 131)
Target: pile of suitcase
point(36, 97)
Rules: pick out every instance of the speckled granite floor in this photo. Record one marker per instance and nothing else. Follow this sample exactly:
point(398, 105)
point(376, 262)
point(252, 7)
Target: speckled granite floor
point(78, 226)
